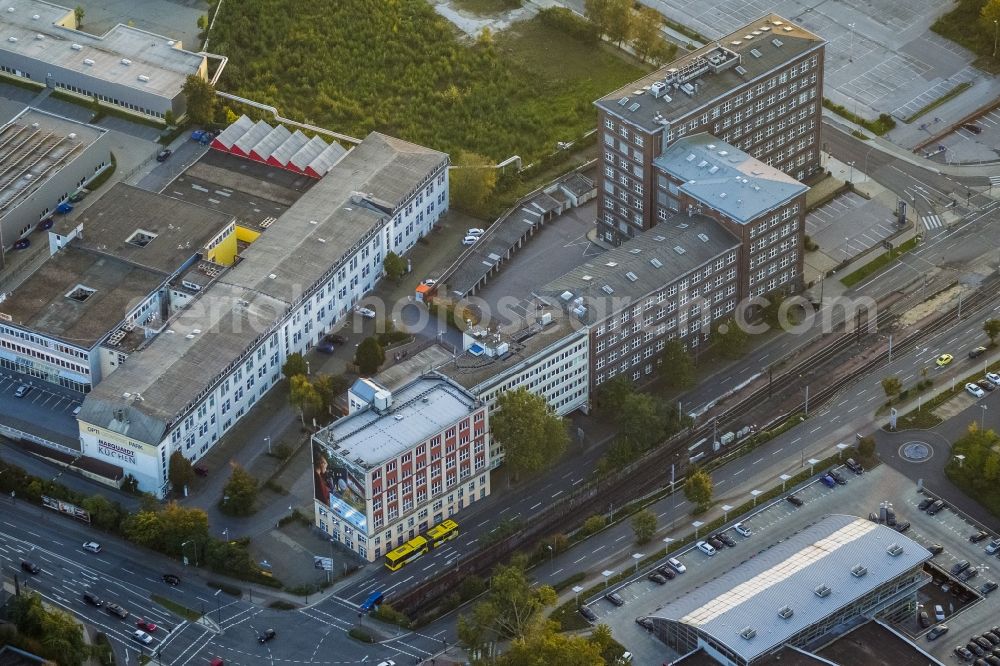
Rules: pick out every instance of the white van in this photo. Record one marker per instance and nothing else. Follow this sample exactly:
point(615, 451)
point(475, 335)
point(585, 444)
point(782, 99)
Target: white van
point(676, 565)
point(706, 548)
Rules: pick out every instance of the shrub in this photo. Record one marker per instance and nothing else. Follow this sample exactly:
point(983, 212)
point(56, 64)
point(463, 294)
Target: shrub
point(281, 604)
point(360, 634)
point(387, 613)
point(593, 525)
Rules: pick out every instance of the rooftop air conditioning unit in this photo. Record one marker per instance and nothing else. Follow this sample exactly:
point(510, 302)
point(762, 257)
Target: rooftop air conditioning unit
point(823, 591)
point(858, 570)
point(785, 612)
point(748, 633)
point(895, 550)
point(12, 40)
point(126, 61)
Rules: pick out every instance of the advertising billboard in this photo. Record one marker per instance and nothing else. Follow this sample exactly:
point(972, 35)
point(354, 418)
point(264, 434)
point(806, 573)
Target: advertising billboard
point(339, 484)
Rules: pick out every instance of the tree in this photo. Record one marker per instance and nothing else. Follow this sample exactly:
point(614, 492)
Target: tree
point(104, 513)
point(988, 14)
point(594, 524)
point(181, 472)
point(59, 636)
point(239, 494)
point(545, 645)
point(328, 387)
point(730, 339)
point(640, 421)
point(991, 469)
point(201, 99)
point(644, 526)
point(79, 13)
point(165, 529)
point(530, 432)
point(891, 385)
point(992, 326)
point(698, 489)
point(866, 449)
point(611, 395)
point(294, 365)
point(202, 22)
point(303, 395)
point(597, 12)
point(369, 356)
point(646, 38)
point(676, 366)
point(619, 20)
point(168, 118)
point(472, 180)
point(395, 266)
point(509, 610)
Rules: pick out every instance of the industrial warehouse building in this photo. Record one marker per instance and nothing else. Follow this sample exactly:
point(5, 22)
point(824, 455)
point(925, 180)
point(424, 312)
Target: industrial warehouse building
point(135, 70)
point(822, 581)
point(187, 387)
point(44, 158)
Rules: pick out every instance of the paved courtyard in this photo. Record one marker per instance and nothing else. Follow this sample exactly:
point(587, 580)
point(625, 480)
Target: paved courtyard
point(850, 225)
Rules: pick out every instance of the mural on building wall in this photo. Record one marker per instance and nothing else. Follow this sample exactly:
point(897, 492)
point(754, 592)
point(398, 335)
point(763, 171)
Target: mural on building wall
point(340, 485)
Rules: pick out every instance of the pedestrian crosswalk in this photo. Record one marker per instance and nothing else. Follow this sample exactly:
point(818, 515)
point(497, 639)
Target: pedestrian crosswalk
point(931, 222)
point(995, 181)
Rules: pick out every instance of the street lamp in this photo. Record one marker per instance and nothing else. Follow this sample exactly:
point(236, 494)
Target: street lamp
point(637, 557)
point(784, 479)
point(850, 178)
point(866, 162)
point(666, 545)
point(840, 450)
point(218, 606)
point(850, 57)
point(982, 419)
point(960, 458)
point(268, 440)
point(996, 26)
point(696, 525)
point(725, 512)
point(607, 573)
point(195, 552)
point(552, 554)
point(576, 591)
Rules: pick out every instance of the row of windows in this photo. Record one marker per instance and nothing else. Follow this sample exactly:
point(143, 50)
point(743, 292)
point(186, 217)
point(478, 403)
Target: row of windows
point(109, 100)
point(786, 260)
point(42, 356)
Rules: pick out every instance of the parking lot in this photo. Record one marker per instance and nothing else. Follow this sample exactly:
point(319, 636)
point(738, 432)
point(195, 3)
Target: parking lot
point(779, 519)
point(47, 410)
point(964, 145)
point(849, 225)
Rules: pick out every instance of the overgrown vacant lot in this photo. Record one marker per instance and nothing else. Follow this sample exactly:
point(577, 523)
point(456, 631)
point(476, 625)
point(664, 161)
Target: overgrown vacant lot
point(398, 67)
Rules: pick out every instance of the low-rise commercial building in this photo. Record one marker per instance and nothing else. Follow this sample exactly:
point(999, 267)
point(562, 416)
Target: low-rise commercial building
point(408, 461)
point(136, 70)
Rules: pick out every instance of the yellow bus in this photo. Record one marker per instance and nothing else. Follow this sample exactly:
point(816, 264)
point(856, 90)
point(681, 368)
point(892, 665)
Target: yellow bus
point(410, 550)
point(442, 532)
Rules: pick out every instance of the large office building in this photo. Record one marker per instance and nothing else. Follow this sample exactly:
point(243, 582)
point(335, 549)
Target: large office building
point(825, 579)
point(408, 460)
point(44, 158)
point(138, 71)
point(216, 357)
point(759, 89)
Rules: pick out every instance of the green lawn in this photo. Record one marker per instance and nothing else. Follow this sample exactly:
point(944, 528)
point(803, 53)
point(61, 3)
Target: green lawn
point(878, 263)
point(398, 67)
point(486, 7)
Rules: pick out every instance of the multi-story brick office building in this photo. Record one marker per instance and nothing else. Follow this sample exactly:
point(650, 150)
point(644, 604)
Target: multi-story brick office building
point(411, 459)
point(759, 89)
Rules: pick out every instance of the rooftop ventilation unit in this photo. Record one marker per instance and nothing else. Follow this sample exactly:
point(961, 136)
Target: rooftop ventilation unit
point(656, 263)
point(607, 290)
point(756, 33)
point(722, 195)
point(736, 42)
point(657, 88)
point(748, 633)
point(823, 591)
point(777, 23)
point(703, 238)
point(623, 101)
point(713, 169)
point(587, 278)
point(143, 78)
point(689, 158)
point(611, 264)
point(88, 62)
point(765, 28)
point(10, 10)
point(12, 40)
point(35, 17)
point(741, 70)
point(632, 277)
point(635, 250)
point(702, 164)
point(777, 42)
point(755, 53)
point(688, 89)
point(75, 47)
point(787, 28)
point(858, 570)
point(785, 612)
point(566, 296)
point(659, 239)
point(126, 62)
point(678, 249)
point(634, 106)
point(639, 91)
point(39, 36)
point(748, 37)
point(895, 550)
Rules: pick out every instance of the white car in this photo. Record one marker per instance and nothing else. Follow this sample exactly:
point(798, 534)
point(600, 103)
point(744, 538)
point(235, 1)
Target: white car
point(92, 547)
point(365, 312)
point(388, 662)
point(470, 240)
point(676, 565)
point(742, 529)
point(975, 390)
point(939, 613)
point(706, 548)
point(475, 232)
point(142, 637)
point(993, 378)
point(993, 546)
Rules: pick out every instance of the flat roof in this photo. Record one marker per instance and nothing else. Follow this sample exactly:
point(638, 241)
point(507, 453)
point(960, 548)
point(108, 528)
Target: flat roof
point(36, 145)
point(418, 411)
point(175, 229)
point(305, 244)
point(159, 59)
point(652, 260)
point(757, 48)
point(787, 574)
point(106, 289)
point(727, 179)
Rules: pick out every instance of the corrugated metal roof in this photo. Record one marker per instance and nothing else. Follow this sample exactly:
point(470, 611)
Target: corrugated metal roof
point(234, 132)
point(787, 575)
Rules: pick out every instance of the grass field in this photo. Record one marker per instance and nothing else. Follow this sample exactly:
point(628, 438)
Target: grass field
point(964, 26)
point(486, 7)
point(398, 67)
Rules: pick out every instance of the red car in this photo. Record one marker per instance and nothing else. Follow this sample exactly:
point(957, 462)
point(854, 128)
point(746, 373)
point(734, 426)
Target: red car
point(145, 625)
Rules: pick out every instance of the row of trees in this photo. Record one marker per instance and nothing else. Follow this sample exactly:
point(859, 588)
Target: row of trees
point(532, 435)
point(312, 395)
point(52, 634)
point(978, 473)
point(616, 20)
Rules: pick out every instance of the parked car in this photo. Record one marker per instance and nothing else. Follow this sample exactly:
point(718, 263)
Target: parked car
point(142, 637)
point(974, 390)
point(854, 466)
point(339, 339)
point(939, 613)
point(645, 623)
point(474, 231)
point(715, 543)
point(387, 662)
point(935, 548)
point(934, 508)
point(200, 471)
point(975, 129)
point(981, 535)
point(367, 313)
point(726, 539)
point(994, 378)
point(925, 502)
point(266, 635)
point(22, 244)
point(975, 648)
point(470, 240)
point(676, 565)
point(977, 352)
point(838, 477)
point(587, 613)
point(924, 619)
point(963, 653)
point(968, 574)
point(794, 500)
point(937, 632)
point(657, 578)
point(326, 346)
point(987, 587)
point(982, 642)
point(171, 579)
point(667, 572)
point(22, 390)
point(163, 155)
point(93, 599)
point(943, 360)
point(901, 527)
point(115, 609)
point(77, 197)
point(742, 529)
point(92, 547)
point(615, 598)
point(991, 637)
point(30, 567)
point(706, 548)
point(959, 567)
point(828, 481)
point(986, 385)
point(146, 625)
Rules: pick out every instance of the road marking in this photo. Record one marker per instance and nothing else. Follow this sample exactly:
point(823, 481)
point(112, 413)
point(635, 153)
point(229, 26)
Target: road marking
point(797, 439)
point(758, 461)
point(557, 493)
point(580, 560)
point(581, 480)
point(815, 429)
point(482, 523)
point(535, 507)
point(620, 538)
point(852, 409)
point(555, 572)
point(597, 549)
point(774, 453)
point(737, 473)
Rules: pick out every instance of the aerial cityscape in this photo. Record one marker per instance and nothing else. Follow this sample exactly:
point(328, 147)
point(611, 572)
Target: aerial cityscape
point(499, 333)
